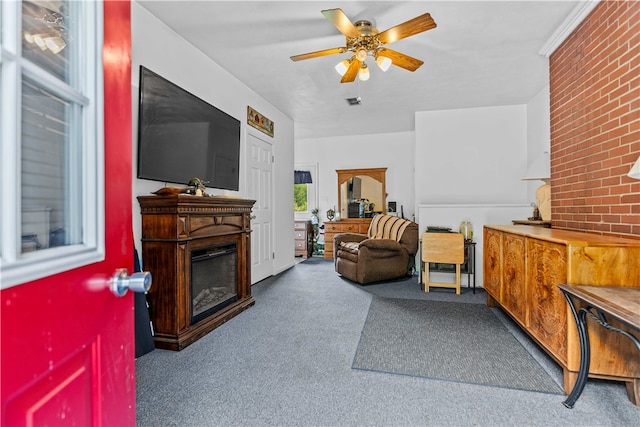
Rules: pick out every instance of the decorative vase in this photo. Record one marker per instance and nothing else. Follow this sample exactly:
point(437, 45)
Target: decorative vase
point(466, 229)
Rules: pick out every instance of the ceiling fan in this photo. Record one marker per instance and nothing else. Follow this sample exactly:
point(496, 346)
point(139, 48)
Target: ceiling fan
point(364, 40)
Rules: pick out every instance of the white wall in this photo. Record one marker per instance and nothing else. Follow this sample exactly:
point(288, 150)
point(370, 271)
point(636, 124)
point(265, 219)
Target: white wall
point(394, 151)
point(469, 165)
point(474, 155)
point(538, 133)
point(160, 49)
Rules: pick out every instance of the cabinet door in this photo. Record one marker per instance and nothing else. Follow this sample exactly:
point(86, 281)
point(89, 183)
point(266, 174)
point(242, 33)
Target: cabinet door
point(548, 308)
point(514, 296)
point(492, 263)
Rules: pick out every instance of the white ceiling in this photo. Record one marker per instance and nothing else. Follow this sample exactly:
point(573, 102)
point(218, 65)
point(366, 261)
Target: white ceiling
point(482, 53)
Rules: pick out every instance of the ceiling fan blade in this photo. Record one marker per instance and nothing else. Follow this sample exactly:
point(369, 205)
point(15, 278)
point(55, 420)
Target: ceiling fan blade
point(412, 27)
point(342, 23)
point(319, 53)
point(352, 71)
point(401, 60)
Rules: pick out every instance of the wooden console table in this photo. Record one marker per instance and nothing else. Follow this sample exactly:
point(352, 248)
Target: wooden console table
point(523, 266)
point(606, 305)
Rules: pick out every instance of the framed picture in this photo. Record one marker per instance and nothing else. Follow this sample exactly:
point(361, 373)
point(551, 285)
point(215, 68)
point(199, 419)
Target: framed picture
point(392, 207)
point(259, 122)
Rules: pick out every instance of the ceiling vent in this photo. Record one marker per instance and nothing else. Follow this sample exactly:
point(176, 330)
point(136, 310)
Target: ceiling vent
point(354, 101)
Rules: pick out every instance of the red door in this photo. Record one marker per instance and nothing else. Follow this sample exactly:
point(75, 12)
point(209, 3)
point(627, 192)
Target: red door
point(67, 341)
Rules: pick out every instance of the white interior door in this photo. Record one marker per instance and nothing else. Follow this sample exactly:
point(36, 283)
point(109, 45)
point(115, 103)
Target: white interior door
point(260, 155)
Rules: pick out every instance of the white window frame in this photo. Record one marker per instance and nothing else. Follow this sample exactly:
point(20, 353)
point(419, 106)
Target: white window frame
point(17, 268)
point(312, 190)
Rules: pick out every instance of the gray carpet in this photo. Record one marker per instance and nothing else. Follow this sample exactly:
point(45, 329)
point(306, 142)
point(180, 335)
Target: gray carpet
point(287, 361)
point(449, 341)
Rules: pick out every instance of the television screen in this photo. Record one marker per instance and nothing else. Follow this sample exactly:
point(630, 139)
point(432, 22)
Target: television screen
point(180, 136)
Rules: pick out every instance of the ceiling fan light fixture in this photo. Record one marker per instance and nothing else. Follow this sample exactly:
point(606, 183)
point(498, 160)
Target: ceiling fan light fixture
point(363, 73)
point(361, 54)
point(342, 66)
point(383, 62)
point(363, 40)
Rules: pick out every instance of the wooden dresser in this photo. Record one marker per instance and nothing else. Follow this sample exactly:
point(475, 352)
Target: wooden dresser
point(523, 266)
point(348, 225)
point(303, 238)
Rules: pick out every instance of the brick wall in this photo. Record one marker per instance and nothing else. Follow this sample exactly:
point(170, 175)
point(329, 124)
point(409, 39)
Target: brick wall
point(595, 123)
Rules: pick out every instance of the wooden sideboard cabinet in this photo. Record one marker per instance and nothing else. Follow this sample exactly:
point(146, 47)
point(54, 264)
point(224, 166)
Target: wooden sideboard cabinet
point(347, 225)
point(303, 238)
point(523, 266)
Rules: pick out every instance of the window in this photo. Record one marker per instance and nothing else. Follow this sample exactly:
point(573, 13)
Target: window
point(305, 195)
point(300, 201)
point(51, 153)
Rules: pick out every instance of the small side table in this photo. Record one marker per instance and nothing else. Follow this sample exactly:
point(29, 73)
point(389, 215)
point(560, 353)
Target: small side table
point(469, 265)
point(602, 302)
point(468, 268)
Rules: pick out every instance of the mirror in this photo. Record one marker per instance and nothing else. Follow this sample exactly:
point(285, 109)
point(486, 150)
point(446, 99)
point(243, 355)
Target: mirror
point(361, 192)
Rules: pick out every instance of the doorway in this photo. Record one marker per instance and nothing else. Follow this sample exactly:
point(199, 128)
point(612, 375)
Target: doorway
point(259, 188)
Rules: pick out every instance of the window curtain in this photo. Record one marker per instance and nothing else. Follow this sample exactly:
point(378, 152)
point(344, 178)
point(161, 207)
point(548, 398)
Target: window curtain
point(302, 177)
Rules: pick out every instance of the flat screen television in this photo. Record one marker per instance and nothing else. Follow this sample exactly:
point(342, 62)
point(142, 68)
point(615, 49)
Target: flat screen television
point(180, 136)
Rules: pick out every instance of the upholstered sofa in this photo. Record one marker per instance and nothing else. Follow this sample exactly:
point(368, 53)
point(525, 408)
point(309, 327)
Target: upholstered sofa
point(386, 252)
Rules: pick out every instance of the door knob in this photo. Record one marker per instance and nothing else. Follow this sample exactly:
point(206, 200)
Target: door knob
point(121, 282)
point(253, 217)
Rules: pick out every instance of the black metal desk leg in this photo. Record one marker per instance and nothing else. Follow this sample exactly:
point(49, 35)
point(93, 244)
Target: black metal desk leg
point(585, 354)
point(474, 281)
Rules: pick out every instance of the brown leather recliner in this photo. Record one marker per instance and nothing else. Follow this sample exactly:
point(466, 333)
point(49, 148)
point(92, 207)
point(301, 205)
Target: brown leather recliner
point(386, 252)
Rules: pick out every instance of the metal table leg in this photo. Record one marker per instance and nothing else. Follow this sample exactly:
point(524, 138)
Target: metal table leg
point(585, 350)
point(585, 353)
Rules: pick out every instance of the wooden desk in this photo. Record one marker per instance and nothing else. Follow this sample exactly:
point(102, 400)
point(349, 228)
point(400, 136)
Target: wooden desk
point(603, 304)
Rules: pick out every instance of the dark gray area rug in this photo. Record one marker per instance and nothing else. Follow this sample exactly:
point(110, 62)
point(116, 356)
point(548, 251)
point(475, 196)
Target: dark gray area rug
point(449, 341)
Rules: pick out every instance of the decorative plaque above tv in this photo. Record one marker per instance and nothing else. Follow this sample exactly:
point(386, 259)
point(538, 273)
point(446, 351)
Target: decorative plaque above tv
point(259, 121)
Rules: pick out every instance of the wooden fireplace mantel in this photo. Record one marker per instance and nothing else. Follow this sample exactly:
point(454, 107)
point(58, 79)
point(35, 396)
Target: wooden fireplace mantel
point(174, 226)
